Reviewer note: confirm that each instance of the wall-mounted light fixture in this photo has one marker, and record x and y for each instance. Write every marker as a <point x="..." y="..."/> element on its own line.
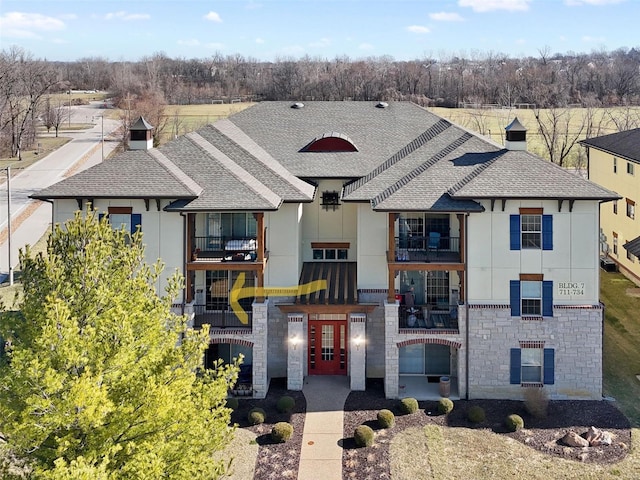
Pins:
<point x="357" y="341"/>
<point x="294" y="341"/>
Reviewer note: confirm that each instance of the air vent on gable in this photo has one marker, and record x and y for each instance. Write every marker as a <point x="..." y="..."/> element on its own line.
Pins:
<point x="297" y="105"/>
<point x="382" y="105"/>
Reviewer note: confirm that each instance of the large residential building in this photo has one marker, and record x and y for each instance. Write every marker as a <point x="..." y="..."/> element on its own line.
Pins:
<point x="372" y="240"/>
<point x="614" y="163"/>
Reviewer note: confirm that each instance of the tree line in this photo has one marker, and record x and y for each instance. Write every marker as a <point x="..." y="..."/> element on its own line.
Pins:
<point x="478" y="79"/>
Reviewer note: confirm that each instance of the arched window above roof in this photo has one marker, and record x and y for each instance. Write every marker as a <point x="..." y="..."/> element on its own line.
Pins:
<point x="331" y="142"/>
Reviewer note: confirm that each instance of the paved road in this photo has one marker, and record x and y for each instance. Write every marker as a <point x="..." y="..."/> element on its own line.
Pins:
<point x="35" y="216"/>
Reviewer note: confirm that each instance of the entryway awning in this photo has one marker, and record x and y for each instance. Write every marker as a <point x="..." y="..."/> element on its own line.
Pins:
<point x="633" y="247"/>
<point x="341" y="283"/>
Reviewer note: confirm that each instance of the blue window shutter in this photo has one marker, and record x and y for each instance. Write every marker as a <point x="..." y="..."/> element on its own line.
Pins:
<point x="136" y="219"/>
<point x="514" y="232"/>
<point x="547" y="298"/>
<point x="547" y="232"/>
<point x="549" y="366"/>
<point x="514" y="292"/>
<point x="100" y="216"/>
<point x="516" y="365"/>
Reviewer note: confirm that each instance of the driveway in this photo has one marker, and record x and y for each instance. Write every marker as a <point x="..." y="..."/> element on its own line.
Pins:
<point x="31" y="218"/>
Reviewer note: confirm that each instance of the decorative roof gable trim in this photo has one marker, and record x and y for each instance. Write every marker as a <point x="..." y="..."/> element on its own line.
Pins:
<point x="474" y="173"/>
<point x="173" y="169"/>
<point x="419" y="170"/>
<point x="236" y="170"/>
<point x="244" y="141"/>
<point x="415" y="144"/>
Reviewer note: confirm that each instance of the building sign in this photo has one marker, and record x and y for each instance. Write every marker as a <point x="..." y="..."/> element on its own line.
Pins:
<point x="571" y="289"/>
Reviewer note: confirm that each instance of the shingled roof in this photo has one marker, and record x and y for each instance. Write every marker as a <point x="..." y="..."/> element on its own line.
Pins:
<point x="407" y="159"/>
<point x="623" y="144"/>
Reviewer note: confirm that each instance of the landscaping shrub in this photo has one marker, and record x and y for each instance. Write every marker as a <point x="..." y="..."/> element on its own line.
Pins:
<point x="536" y="402"/>
<point x="476" y="414"/>
<point x="363" y="436"/>
<point x="445" y="405"/>
<point x="281" y="432"/>
<point x="409" y="405"/>
<point x="256" y="416"/>
<point x="386" y="418"/>
<point x="285" y="404"/>
<point x="232" y="403"/>
<point x="514" y="422"/>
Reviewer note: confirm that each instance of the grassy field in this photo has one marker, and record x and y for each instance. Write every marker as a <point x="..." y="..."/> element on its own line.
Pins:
<point x="183" y="119"/>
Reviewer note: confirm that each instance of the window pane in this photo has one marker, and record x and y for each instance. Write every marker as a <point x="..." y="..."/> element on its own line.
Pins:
<point x="411" y="359"/>
<point x="531" y="307"/>
<point x="531" y="223"/>
<point x="120" y="220"/>
<point x="531" y="365"/>
<point x="531" y="289"/>
<point x="531" y="374"/>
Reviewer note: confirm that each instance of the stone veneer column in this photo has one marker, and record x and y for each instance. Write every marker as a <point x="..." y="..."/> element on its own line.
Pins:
<point x="391" y="369"/>
<point x="296" y="350"/>
<point x="260" y="343"/>
<point x="358" y="351"/>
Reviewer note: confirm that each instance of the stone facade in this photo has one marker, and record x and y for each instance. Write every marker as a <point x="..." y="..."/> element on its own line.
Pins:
<point x="358" y="351"/>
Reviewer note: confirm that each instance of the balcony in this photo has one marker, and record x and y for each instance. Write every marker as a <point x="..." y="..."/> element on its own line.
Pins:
<point x="423" y="249"/>
<point x="224" y="249"/>
<point x="429" y="317"/>
<point x="224" y="318"/>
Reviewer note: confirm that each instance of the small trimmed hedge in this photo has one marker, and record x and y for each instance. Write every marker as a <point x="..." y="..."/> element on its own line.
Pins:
<point x="281" y="432"/>
<point x="256" y="416"/>
<point x="363" y="436"/>
<point x="232" y="403"/>
<point x="386" y="418"/>
<point x="408" y="405"/>
<point x="445" y="405"/>
<point x="476" y="414"/>
<point x="514" y="422"/>
<point x="285" y="404"/>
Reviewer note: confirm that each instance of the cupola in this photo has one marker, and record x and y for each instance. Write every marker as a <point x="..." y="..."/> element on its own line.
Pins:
<point x="516" y="136"/>
<point x="140" y="137"/>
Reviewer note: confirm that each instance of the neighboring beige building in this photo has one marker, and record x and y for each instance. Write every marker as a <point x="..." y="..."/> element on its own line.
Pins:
<point x="441" y="257"/>
<point x="614" y="163"/>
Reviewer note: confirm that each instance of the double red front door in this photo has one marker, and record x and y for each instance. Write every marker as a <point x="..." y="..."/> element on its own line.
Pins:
<point x="327" y="346"/>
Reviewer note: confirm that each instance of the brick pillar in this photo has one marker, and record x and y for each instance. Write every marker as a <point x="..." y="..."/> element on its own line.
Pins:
<point x="391" y="370"/>
<point x="296" y="349"/>
<point x="259" y="330"/>
<point x="358" y="351"/>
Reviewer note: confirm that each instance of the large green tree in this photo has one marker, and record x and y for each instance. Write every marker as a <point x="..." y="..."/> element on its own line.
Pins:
<point x="100" y="380"/>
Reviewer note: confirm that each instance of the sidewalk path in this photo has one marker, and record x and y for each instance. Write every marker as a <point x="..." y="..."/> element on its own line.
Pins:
<point x="321" y="454"/>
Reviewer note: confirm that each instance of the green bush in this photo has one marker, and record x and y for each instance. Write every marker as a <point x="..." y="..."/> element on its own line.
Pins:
<point x="445" y="405"/>
<point x="386" y="418"/>
<point x="232" y="403"/>
<point x="476" y="414"/>
<point x="285" y="404"/>
<point x="281" y="432"/>
<point x="256" y="416"/>
<point x="514" y="422"/>
<point x="409" y="405"/>
<point x="363" y="436"/>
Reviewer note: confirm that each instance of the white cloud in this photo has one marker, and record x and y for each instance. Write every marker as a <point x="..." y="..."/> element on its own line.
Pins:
<point x="417" y="29"/>
<point x="28" y="25"/>
<point x="446" y="17"/>
<point x="122" y="15"/>
<point x="365" y="46"/>
<point x="213" y="16"/>
<point x="190" y="42"/>
<point x="597" y="3"/>
<point x="323" y="42"/>
<point x="490" y="5"/>
<point x="259" y="41"/>
<point x="68" y="16"/>
<point x="590" y="39"/>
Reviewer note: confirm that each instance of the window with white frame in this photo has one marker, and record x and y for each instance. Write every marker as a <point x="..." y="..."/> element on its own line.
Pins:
<point x="630" y="168"/>
<point x="631" y="209"/>
<point x="531" y="362"/>
<point x="531" y="227"/>
<point x="531" y="298"/>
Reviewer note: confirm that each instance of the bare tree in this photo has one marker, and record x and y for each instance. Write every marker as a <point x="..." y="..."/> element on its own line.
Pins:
<point x="560" y="129"/>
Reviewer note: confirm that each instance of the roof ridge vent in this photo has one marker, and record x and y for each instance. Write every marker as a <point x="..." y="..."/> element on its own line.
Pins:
<point x="297" y="105"/>
<point x="382" y="105"/>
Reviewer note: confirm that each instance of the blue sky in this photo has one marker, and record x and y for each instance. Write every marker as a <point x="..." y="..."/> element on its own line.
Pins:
<point x="277" y="29"/>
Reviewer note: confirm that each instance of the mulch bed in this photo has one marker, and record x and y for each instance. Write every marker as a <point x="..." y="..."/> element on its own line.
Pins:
<point x="275" y="460"/>
<point x="541" y="434"/>
<point x="281" y="460"/>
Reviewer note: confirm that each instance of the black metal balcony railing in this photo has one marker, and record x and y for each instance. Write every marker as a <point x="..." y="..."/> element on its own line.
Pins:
<point x="426" y="249"/>
<point x="428" y="316"/>
<point x="223" y="318"/>
<point x="237" y="249"/>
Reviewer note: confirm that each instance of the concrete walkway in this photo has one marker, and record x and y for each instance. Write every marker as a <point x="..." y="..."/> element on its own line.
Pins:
<point x="321" y="454"/>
